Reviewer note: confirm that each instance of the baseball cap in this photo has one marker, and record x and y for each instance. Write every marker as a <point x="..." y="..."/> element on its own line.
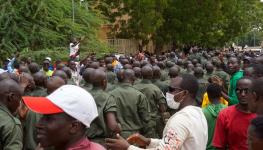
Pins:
<point x="71" y="99"/>
<point x="48" y="58"/>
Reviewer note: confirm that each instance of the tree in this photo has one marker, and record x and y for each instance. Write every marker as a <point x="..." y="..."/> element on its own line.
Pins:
<point x="38" y="24"/>
<point x="207" y="23"/>
<point x="134" y="19"/>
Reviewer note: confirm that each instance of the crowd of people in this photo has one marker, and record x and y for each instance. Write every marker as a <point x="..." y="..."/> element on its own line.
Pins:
<point x="205" y="100"/>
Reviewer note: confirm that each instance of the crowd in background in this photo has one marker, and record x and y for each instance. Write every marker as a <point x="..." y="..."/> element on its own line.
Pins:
<point x="196" y="101"/>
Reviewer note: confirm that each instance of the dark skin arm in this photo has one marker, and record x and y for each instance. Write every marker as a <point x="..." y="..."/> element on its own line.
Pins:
<point x="162" y="108"/>
<point x="121" y="144"/>
<point x="225" y="96"/>
<point x="112" y="123"/>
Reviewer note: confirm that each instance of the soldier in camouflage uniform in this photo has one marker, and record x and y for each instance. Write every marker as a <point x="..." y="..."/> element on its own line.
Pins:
<point x="11" y="135"/>
<point x="87" y="78"/>
<point x="155" y="97"/>
<point x="199" y="74"/>
<point x="105" y="125"/>
<point x="133" y="111"/>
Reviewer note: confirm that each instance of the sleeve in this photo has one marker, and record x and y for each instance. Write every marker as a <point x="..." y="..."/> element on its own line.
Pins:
<point x="154" y="143"/>
<point x="10" y="65"/>
<point x="219" y="139"/>
<point x="176" y="133"/>
<point x="111" y="105"/>
<point x="144" y="113"/>
<point x="160" y="97"/>
<point x="12" y="136"/>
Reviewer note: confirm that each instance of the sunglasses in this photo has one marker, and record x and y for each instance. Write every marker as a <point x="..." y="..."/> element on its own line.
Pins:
<point x="246" y="91"/>
<point x="173" y="89"/>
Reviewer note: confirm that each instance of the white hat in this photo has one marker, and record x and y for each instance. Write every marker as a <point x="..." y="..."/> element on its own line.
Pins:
<point x="71" y="99"/>
<point x="48" y="58"/>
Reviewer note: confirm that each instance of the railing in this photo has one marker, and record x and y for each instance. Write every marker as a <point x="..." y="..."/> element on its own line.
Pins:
<point x="127" y="46"/>
<point x="123" y="45"/>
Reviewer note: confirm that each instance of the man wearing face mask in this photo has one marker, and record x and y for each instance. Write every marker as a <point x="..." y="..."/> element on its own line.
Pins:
<point x="185" y="130"/>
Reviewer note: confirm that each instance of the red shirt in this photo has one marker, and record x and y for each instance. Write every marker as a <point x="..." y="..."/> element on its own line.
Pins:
<point x="231" y="129"/>
<point x="85" y="144"/>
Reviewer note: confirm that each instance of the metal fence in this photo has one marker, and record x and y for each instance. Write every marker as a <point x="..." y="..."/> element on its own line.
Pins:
<point x="123" y="45"/>
<point x="127" y="46"/>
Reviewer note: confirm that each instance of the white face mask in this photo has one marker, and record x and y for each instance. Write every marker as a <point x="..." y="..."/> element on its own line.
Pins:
<point x="171" y="102"/>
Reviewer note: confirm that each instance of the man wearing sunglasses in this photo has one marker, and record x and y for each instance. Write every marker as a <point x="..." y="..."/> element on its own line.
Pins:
<point x="232" y="122"/>
<point x="185" y="130"/>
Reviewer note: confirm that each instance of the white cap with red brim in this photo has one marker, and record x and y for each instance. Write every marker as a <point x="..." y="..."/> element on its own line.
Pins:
<point x="73" y="100"/>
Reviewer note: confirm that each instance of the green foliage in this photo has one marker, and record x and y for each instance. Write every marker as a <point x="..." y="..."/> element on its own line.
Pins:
<point x="40" y="25"/>
<point x="207" y="23"/>
<point x="144" y="18"/>
<point x="38" y="56"/>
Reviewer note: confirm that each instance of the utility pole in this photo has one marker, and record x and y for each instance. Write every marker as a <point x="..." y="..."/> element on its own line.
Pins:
<point x="73" y="11"/>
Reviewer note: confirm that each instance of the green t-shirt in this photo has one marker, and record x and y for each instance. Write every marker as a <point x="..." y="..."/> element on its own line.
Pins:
<point x="232" y="87"/>
<point x="211" y="112"/>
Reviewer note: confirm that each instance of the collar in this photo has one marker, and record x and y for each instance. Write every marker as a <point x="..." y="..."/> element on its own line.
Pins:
<point x="238" y="72"/>
<point x="146" y="81"/>
<point x="97" y="88"/>
<point x="125" y="84"/>
<point x="3" y="107"/>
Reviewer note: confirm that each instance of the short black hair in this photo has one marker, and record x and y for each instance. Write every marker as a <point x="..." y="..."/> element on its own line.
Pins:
<point x="258" y="69"/>
<point x="214" y="91"/>
<point x="189" y="83"/>
<point x="238" y="60"/>
<point x="257" y="125"/>
<point x="257" y="86"/>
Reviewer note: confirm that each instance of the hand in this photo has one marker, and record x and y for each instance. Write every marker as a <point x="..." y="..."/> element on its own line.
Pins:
<point x="22" y="110"/>
<point x="221" y="57"/>
<point x="117" y="144"/>
<point x="139" y="140"/>
<point x="23" y="81"/>
<point x="217" y="80"/>
<point x="165" y="116"/>
<point x="39" y="147"/>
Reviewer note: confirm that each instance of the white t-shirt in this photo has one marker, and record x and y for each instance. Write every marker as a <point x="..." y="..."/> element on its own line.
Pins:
<point x="73" y="49"/>
<point x="185" y="130"/>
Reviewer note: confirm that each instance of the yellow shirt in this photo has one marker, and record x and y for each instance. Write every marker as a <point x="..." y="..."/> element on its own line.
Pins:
<point x="206" y="101"/>
<point x="49" y="73"/>
<point x="114" y="63"/>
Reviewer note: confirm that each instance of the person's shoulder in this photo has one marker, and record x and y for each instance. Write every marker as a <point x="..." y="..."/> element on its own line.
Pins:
<point x="192" y="108"/>
<point x="189" y="110"/>
<point x="184" y="116"/>
<point x="9" y="120"/>
<point x="227" y="110"/>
